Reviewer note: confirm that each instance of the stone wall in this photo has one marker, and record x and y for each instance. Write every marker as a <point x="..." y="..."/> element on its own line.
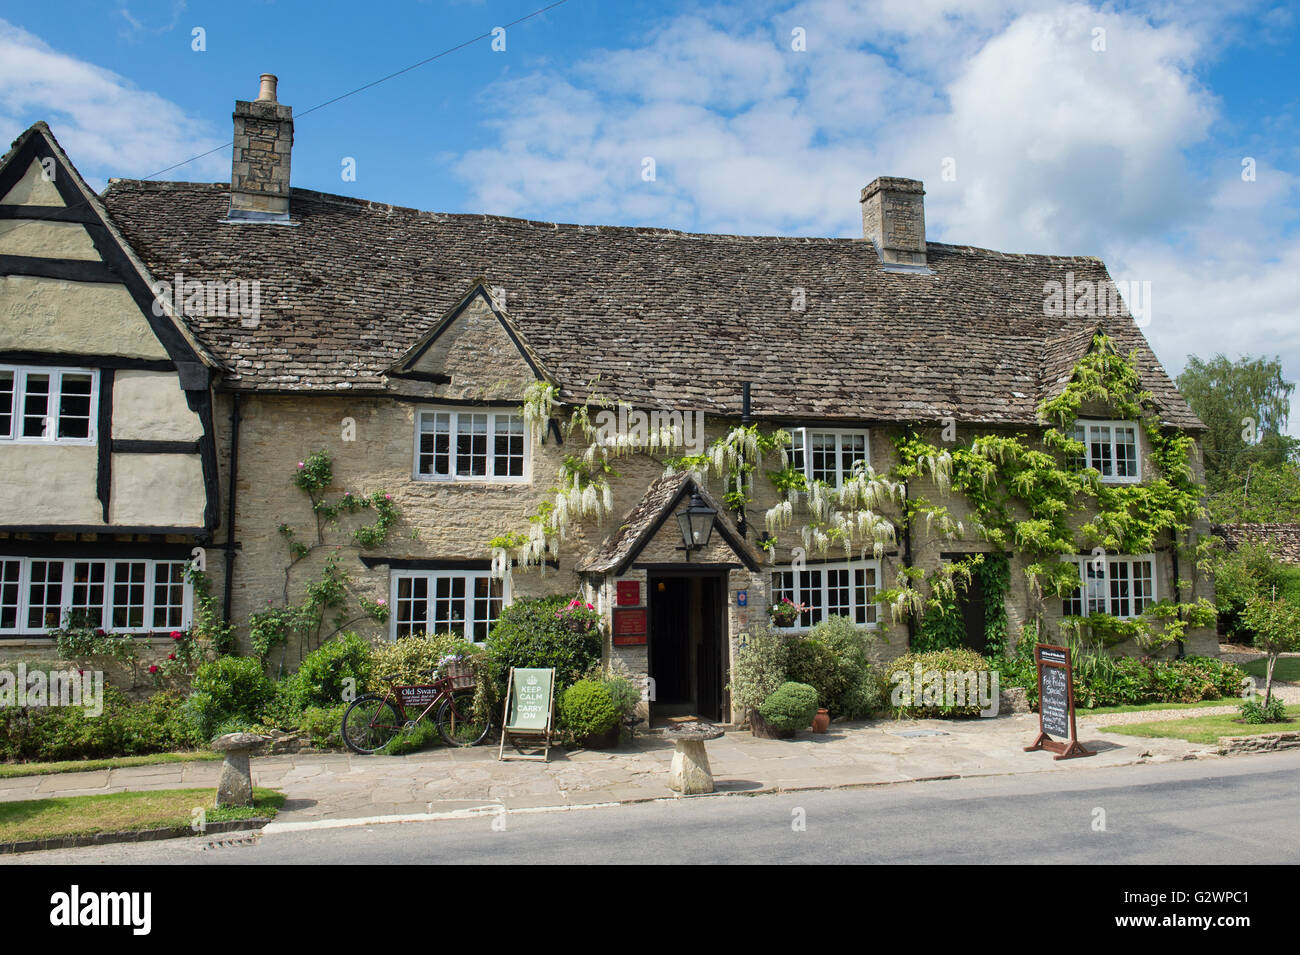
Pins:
<point x="454" y="521"/>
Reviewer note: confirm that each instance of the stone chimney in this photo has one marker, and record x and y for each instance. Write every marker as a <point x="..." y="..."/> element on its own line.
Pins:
<point x="259" y="171"/>
<point x="893" y="218"/>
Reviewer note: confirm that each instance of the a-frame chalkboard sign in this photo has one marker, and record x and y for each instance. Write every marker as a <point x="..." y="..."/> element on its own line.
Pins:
<point x="1056" y="704"/>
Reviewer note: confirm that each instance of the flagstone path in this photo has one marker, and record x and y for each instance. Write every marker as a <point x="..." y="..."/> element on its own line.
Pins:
<point x="341" y="786"/>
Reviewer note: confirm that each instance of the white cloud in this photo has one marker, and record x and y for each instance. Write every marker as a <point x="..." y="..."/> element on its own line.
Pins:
<point x="1058" y="147"/>
<point x="107" y="125"/>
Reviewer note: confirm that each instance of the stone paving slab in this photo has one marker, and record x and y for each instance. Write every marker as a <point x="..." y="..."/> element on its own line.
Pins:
<point x="339" y="786"/>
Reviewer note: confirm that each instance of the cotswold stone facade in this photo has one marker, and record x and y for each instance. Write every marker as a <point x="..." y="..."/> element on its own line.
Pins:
<point x="402" y="344"/>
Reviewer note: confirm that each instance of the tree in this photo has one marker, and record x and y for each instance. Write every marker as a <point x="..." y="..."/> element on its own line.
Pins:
<point x="1276" y="622"/>
<point x="1262" y="495"/>
<point x="1248" y="572"/>
<point x="1245" y="405"/>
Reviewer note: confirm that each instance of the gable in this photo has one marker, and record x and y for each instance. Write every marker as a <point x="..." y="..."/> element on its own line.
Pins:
<point x="74" y="296"/>
<point x="649" y="533"/>
<point x="34" y="188"/>
<point x="70" y="285"/>
<point x="473" y="353"/>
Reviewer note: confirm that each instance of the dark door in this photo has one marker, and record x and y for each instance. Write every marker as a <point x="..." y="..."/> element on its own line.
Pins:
<point x="972" y="615"/>
<point x="670" y="641"/>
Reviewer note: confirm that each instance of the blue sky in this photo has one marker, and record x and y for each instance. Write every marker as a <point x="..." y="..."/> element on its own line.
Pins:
<point x="1117" y="130"/>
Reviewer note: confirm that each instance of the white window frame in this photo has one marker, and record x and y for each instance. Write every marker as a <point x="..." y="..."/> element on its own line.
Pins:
<point x="800" y="449"/>
<point x="455" y="414"/>
<point x="1088" y="426"/>
<point x="106" y="604"/>
<point x="1099" y="579"/>
<point x="818" y="612"/>
<point x="470" y="577"/>
<point x="20" y="374"/>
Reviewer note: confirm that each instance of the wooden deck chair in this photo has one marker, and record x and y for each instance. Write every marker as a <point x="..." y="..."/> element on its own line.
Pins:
<point x="529" y="712"/>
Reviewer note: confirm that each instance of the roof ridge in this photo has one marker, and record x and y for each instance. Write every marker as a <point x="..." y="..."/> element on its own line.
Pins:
<point x="389" y="208"/>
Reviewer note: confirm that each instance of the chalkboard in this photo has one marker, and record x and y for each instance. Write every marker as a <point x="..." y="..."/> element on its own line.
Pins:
<point x="1054" y="704"/>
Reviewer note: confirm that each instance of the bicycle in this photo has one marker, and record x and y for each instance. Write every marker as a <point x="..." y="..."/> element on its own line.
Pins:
<point x="372" y="720"/>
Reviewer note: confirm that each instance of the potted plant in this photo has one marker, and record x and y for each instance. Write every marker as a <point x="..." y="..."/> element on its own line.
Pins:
<point x="789" y="708"/>
<point x="785" y="612"/>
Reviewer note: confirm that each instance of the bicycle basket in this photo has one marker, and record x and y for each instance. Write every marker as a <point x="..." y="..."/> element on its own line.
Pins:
<point x="461" y="675"/>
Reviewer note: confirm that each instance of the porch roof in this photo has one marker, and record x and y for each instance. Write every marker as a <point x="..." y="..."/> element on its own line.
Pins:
<point x="615" y="554"/>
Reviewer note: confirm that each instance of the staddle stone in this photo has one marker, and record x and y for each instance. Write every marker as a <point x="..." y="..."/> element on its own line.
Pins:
<point x="235" y="787"/>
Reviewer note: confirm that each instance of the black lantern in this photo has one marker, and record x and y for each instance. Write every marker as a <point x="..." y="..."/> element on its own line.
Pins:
<point x="696" y="523"/>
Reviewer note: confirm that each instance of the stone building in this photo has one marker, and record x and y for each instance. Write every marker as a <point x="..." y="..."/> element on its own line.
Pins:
<point x="227" y="331"/>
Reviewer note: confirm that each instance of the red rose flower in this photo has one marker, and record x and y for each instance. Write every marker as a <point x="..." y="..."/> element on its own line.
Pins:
<point x="153" y="669"/>
<point x="176" y="635"/>
<point x="171" y="656"/>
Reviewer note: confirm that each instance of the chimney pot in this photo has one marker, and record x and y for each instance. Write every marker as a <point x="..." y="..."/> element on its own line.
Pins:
<point x="266" y="94"/>
<point x="893" y="218"/>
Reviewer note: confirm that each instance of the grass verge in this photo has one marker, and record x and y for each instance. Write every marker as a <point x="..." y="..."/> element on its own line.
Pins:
<point x="1144" y="707"/>
<point x="1206" y="729"/>
<point x="120" y="812"/>
<point x="10" y="770"/>
<point x="1287" y="669"/>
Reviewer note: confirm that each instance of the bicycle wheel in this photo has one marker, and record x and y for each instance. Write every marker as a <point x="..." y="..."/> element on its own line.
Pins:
<point x="369" y="723"/>
<point x="457" y="724"/>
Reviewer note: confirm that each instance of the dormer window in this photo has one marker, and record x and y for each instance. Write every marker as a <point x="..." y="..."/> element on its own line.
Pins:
<point x="1111" y="447"/>
<point x="45" y="405"/>
<point x="465" y="445"/>
<point x="828" y="454"/>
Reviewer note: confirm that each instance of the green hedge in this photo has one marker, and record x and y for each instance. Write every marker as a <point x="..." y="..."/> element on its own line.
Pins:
<point x="900" y="674"/>
<point x="159" y="724"/>
<point x="1103" y="680"/>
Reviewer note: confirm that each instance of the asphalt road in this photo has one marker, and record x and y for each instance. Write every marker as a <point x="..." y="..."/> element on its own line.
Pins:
<point x="1240" y="810"/>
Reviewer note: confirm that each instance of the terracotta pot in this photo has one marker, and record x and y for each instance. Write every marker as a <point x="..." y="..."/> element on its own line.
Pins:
<point x="822" y="721"/>
<point x="762" y="729"/>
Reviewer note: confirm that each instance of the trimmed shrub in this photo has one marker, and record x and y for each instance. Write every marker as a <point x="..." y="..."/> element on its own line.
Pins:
<point x="832" y="658"/>
<point x="230" y="688"/>
<point x="791" y="706"/>
<point x="322" y="677"/>
<point x="930" y="699"/>
<point x="759" y="668"/>
<point x="586" y="709"/>
<point x="546" y="632"/>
